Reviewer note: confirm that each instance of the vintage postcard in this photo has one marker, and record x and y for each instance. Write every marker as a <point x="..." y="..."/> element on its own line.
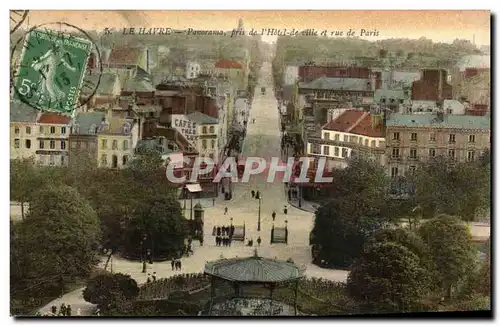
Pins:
<point x="250" y="163"/>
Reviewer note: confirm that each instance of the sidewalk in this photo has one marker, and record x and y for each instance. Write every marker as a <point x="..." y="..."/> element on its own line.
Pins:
<point x="306" y="206"/>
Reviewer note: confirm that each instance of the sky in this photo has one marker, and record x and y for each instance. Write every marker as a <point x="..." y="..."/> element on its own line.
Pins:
<point x="440" y="26"/>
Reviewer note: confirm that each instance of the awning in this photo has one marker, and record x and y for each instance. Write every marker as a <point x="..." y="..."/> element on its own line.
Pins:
<point x="194" y="187"/>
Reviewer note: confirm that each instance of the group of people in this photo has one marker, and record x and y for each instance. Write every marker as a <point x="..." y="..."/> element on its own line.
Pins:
<point x="151" y="277"/>
<point x="176" y="264"/>
<point x="181" y="282"/>
<point x="223" y="235"/>
<point x="64" y="310"/>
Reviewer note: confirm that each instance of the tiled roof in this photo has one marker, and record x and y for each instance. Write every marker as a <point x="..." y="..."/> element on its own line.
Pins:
<point x="125" y="56"/>
<point x="338" y="83"/>
<point x="21" y="112"/>
<point x="138" y="85"/>
<point x="254" y="269"/>
<point x="228" y="64"/>
<point x="355" y="122"/>
<point x="431" y="121"/>
<point x="84" y="121"/>
<point x="202" y="119"/>
<point x="106" y="83"/>
<point x="54" y="118"/>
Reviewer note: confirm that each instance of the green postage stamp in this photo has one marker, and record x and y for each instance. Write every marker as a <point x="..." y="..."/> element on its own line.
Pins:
<point x="51" y="70"/>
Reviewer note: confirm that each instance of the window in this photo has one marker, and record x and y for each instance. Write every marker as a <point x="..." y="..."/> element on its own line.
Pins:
<point x="115" y="144"/>
<point x="104" y="143"/>
<point x="472" y="138"/>
<point x="394" y="171"/>
<point x="213" y="143"/>
<point x="104" y="159"/>
<point x="345" y="138"/>
<point x="366" y="142"/>
<point x="413" y="136"/>
<point x="432" y="152"/>
<point x="373" y="143"/>
<point x="337" y="137"/>
<point x="204" y="130"/>
<point x="124" y="159"/>
<point x="52" y="130"/>
<point x="212" y="129"/>
<point x="327" y="135"/>
<point x="52" y="144"/>
<point x="413" y="153"/>
<point x="63" y="130"/>
<point x="27" y="143"/>
<point x="63" y="144"/>
<point x="16" y="130"/>
<point x="451" y="153"/>
<point x="28" y="130"/>
<point x="432" y="136"/>
<point x="344" y="152"/>
<point x="41" y="129"/>
<point x="353" y="139"/>
<point x="326" y="150"/>
<point x="395" y="152"/>
<point x="16" y="143"/>
<point x="470" y="156"/>
<point x="336" y="151"/>
<point x="52" y="161"/>
<point x="360" y="141"/>
<point x="452" y="138"/>
<point x="41" y="144"/>
<point x="125" y="145"/>
<point x="114" y="161"/>
<point x="395" y="136"/>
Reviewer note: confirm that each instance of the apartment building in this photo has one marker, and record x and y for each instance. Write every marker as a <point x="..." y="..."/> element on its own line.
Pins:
<point x="116" y="141"/>
<point x="411" y="139"/>
<point x="207" y="135"/>
<point x="23" y="130"/>
<point x="52" y="139"/>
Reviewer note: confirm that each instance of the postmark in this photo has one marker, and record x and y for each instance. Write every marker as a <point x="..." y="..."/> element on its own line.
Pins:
<point x="17" y="17"/>
<point x="51" y="74"/>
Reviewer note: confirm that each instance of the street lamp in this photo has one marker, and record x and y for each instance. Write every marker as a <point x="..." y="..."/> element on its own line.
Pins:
<point x="258" y="221"/>
<point x="143" y="258"/>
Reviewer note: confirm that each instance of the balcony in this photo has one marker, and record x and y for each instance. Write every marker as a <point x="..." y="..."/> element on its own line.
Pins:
<point x="413" y="158"/>
<point x="395" y="158"/>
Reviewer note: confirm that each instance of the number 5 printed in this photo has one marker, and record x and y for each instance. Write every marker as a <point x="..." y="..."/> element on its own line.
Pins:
<point x="26" y="88"/>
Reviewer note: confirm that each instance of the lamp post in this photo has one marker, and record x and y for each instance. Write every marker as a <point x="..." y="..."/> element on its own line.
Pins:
<point x="143" y="242"/>
<point x="258" y="221"/>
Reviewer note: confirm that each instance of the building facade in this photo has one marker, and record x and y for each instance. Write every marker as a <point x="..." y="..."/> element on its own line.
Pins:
<point x="83" y="139"/>
<point x="52" y="139"/>
<point x="411" y="139"/>
<point x="117" y="139"/>
<point x="23" y="131"/>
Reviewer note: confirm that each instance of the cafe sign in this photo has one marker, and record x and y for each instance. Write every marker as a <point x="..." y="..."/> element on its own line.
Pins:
<point x="186" y="127"/>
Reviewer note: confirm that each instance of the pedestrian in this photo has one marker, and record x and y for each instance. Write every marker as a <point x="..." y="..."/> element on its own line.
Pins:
<point x="259" y="240"/>
<point x="149" y="278"/>
<point x="285" y="210"/>
<point x="62" y="310"/>
<point x="253" y="193"/>
<point x="53" y="309"/>
<point x="232" y="230"/>
<point x="223" y="190"/>
<point x="154" y="276"/>
<point x="218" y="230"/>
<point x="173" y="263"/>
<point x="274" y="215"/>
<point x="257" y="195"/>
<point x="214" y="231"/>
<point x="68" y="310"/>
<point x="253" y="120"/>
<point x="180" y="265"/>
<point x="79" y="312"/>
<point x="225" y="210"/>
<point x="201" y="241"/>
<point x="229" y="241"/>
<point x="217" y="240"/>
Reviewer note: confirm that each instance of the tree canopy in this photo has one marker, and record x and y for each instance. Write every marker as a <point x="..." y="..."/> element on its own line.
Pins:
<point x="106" y="289"/>
<point x="387" y="277"/>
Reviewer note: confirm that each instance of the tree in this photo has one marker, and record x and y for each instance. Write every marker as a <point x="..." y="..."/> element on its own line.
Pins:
<point x="156" y="224"/>
<point x="446" y="187"/>
<point x="387" y="277"/>
<point x="451" y="249"/>
<point x="56" y="243"/>
<point x="22" y="181"/>
<point x="106" y="289"/>
<point x="358" y="207"/>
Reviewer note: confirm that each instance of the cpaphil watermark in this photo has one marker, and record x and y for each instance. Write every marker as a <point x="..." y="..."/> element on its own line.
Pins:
<point x="294" y="170"/>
